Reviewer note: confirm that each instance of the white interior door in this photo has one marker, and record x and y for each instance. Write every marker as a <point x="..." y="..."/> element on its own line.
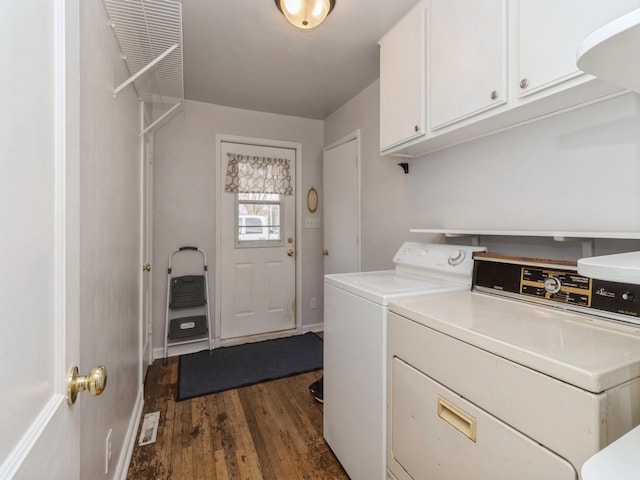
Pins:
<point x="341" y="205"/>
<point x="257" y="252"/>
<point x="39" y="212"/>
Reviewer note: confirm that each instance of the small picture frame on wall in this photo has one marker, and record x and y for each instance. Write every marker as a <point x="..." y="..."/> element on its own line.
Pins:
<point x="312" y="200"/>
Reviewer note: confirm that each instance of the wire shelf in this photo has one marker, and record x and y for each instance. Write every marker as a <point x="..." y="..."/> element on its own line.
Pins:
<point x="149" y="35"/>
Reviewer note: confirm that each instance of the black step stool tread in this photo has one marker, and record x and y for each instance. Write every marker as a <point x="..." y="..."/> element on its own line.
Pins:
<point x="187" y="327"/>
<point x="187" y="291"/>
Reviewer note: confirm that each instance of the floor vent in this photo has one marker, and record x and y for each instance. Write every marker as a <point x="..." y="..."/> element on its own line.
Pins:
<point x="149" y="428"/>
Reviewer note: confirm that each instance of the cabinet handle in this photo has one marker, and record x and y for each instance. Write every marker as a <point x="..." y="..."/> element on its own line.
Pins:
<point x="524" y="83"/>
<point x="494" y="95"/>
<point x="416" y="128"/>
<point x="457" y="418"/>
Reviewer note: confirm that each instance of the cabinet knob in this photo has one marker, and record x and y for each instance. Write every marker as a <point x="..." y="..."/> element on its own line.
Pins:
<point x="524" y="83"/>
<point x="416" y="128"/>
<point x="494" y="95"/>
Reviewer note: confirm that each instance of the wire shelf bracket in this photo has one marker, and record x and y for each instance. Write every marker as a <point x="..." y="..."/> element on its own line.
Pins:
<point x="149" y="36"/>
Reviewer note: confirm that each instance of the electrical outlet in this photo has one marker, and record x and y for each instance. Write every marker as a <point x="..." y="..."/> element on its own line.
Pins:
<point x="313" y="302"/>
<point x="107" y="451"/>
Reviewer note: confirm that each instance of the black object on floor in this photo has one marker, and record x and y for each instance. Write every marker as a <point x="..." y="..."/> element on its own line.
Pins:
<point x="317" y="390"/>
<point x="224" y="368"/>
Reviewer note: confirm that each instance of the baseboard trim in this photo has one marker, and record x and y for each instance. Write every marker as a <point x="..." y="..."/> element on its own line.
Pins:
<point x="130" y="440"/>
<point x="315" y="327"/>
<point x="197" y="347"/>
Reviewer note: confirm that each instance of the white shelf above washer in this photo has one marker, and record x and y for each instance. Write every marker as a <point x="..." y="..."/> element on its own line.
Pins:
<point x="556" y="235"/>
<point x="584" y="237"/>
<point x="149" y="35"/>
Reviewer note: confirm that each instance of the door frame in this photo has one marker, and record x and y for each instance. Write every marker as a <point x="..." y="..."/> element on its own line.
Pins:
<point x="262" y="142"/>
<point x="146" y="247"/>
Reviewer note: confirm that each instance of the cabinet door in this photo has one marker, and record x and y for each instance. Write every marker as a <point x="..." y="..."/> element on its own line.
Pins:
<point x="549" y="32"/>
<point x="467" y="57"/>
<point x="402" y="80"/>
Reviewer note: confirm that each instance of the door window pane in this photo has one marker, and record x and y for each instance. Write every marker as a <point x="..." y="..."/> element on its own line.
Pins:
<point x="259" y="219"/>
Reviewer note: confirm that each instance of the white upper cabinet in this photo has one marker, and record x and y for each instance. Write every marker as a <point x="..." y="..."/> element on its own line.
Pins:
<point x="549" y="33"/>
<point x="402" y="80"/>
<point x="454" y="70"/>
<point x="467" y="59"/>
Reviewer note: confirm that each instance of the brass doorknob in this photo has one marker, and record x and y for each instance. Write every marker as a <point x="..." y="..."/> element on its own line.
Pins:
<point x="146" y="267"/>
<point x="95" y="382"/>
<point x="290" y="252"/>
<point x="325" y="252"/>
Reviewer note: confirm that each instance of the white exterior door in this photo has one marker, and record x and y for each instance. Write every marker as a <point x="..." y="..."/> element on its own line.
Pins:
<point x="39" y="212"/>
<point x="341" y="205"/>
<point x="257" y="251"/>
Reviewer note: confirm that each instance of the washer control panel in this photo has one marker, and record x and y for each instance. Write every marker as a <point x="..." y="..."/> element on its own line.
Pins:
<point x="554" y="282"/>
<point x="456" y="257"/>
<point x="433" y="259"/>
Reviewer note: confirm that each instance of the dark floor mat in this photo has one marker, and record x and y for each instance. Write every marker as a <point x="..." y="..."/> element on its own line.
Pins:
<point x="224" y="368"/>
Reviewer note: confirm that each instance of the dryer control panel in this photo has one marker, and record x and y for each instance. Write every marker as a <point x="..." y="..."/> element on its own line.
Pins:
<point x="556" y="283"/>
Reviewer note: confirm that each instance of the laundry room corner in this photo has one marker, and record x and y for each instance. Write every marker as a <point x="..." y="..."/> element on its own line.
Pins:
<point x="185" y="193"/>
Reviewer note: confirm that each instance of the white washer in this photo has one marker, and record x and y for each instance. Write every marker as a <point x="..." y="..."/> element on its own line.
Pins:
<point x="526" y="376"/>
<point x="355" y="345"/>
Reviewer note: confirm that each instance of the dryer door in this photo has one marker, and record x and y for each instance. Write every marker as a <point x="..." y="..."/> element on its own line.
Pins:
<point x="435" y="433"/>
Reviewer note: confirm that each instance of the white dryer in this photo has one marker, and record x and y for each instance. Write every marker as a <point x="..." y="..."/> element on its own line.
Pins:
<point x="355" y="346"/>
<point x="525" y="376"/>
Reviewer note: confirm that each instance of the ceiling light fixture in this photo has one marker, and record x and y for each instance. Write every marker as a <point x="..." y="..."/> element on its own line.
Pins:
<point x="305" y="13"/>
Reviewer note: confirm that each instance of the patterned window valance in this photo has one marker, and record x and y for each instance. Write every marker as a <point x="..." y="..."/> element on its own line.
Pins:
<point x="247" y="174"/>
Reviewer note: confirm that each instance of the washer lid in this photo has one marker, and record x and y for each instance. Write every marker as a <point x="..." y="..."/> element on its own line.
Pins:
<point x="382" y="286"/>
<point x="584" y="351"/>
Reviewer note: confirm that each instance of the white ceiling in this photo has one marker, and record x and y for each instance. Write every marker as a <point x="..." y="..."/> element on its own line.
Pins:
<point x="244" y="54"/>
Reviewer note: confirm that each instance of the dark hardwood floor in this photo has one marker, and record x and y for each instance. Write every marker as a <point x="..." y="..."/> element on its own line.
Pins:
<point x="270" y="431"/>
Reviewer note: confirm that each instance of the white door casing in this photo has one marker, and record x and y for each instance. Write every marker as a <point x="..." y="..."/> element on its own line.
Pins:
<point x="39" y="294"/>
<point x="146" y="236"/>
<point x="255" y="286"/>
<point x="341" y="205"/>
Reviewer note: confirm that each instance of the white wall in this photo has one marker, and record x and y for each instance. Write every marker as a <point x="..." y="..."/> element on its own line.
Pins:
<point x="110" y="242"/>
<point x="578" y="171"/>
<point x="184" y="191"/>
